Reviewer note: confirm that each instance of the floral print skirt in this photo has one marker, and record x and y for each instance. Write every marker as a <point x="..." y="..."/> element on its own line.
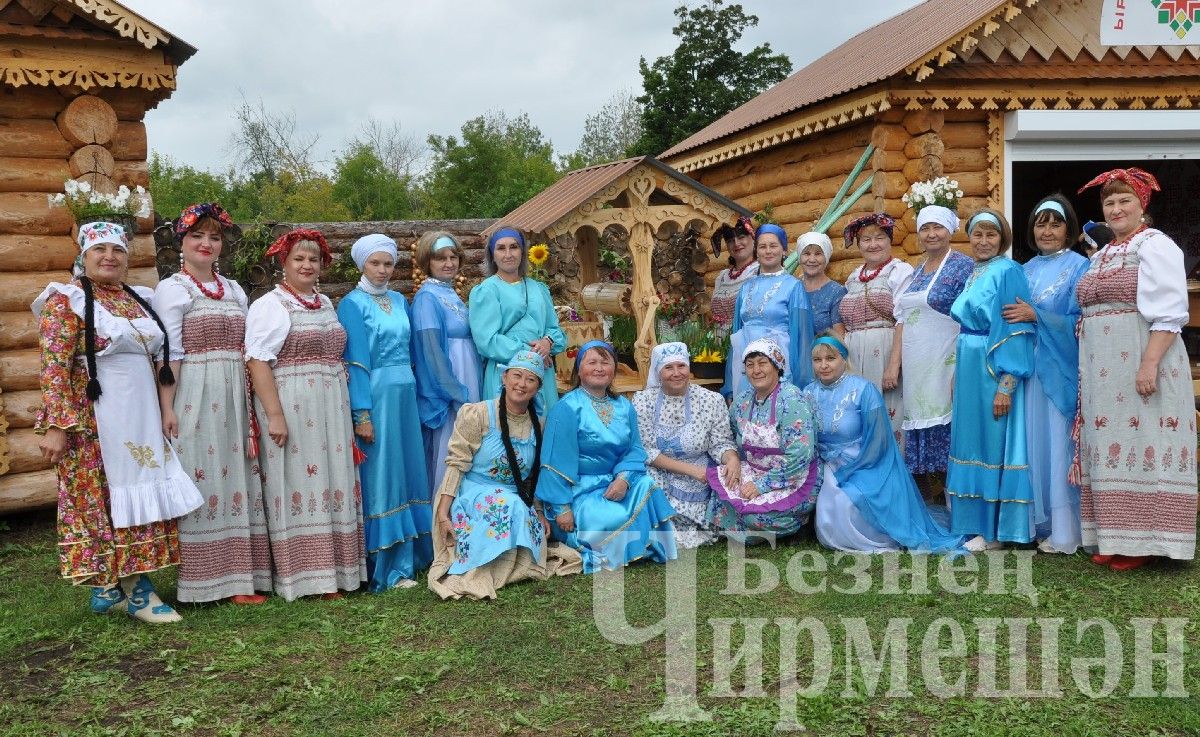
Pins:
<point x="489" y="520"/>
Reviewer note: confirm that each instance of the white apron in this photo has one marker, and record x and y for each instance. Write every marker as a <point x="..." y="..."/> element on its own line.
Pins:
<point x="927" y="356"/>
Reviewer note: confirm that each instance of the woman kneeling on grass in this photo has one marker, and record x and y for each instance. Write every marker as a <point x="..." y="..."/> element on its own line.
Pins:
<point x="491" y="530"/>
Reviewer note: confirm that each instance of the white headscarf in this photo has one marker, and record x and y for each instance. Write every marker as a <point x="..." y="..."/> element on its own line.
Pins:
<point x="768" y="348"/>
<point x="663" y="355"/>
<point x="813" y="238"/>
<point x="943" y="216"/>
<point x="373" y="243"/>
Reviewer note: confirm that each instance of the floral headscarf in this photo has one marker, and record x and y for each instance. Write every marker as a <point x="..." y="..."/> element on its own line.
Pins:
<point x="192" y="214"/>
<point x="1140" y="181"/>
<point x="284" y="244"/>
<point x="883" y="221"/>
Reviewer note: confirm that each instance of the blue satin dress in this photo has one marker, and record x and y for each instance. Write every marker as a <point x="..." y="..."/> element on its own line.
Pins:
<point x="397" y="515"/>
<point x="588" y="442"/>
<point x="868" y="502"/>
<point x="771" y="306"/>
<point x="987" y="477"/>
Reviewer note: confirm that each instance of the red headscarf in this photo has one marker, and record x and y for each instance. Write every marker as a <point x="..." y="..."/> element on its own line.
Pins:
<point x="283" y="244"/>
<point x="1140" y="181"/>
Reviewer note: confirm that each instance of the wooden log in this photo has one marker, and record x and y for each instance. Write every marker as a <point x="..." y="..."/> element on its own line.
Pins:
<point x="926" y="144"/>
<point x="855" y="137"/>
<point x="965" y="135"/>
<point x="19" y="369"/>
<point x="38" y="139"/>
<point x="21" y="408"/>
<point x="889" y="184"/>
<point x="30" y="214"/>
<point x="129" y="143"/>
<point x="133" y="174"/>
<point x="144" y="277"/>
<point x="890" y="137"/>
<point x="32" y="175"/>
<point x="609" y="298"/>
<point x="18" y="289"/>
<point x="18" y="330"/>
<point x="20" y="492"/>
<point x="100" y="183"/>
<point x="923" y="169"/>
<point x="924" y="120"/>
<point x="37" y="252"/>
<point x="23" y="452"/>
<point x="972" y="183"/>
<point x="31" y="101"/>
<point x="825" y="166"/>
<point x="87" y="119"/>
<point x="883" y="160"/>
<point x="955" y="160"/>
<point x="92" y="159"/>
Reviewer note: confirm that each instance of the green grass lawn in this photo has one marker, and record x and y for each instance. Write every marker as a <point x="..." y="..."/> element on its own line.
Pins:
<point x="405" y="663"/>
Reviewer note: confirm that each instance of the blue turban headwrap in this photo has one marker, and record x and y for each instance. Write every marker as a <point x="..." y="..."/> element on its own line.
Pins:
<point x="590" y="345"/>
<point x="774" y="230"/>
<point x="505" y="233"/>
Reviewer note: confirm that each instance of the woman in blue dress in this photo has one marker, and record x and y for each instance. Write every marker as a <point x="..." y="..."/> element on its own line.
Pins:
<point x="1053" y="388"/>
<point x="397" y="520"/>
<point x="510" y="312"/>
<point x="491" y="529"/>
<point x="824" y="294"/>
<point x="444" y="357"/>
<point x="772" y="304"/>
<point x="599" y="498"/>
<point x="774" y="424"/>
<point x="868" y="502"/>
<point x="987" y="482"/>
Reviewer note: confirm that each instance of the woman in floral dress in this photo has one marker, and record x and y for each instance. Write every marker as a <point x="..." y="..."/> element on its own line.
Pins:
<point x="223" y="545"/>
<point x="294" y="347"/>
<point x="491" y="529"/>
<point x="120" y="485"/>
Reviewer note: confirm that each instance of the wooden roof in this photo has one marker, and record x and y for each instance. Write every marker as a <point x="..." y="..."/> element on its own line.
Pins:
<point x="58" y="41"/>
<point x="561" y="198"/>
<point x="913" y="46"/>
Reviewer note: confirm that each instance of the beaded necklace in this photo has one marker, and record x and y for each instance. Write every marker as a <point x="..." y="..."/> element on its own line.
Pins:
<point x="217" y="295"/>
<point x="1114" y="250"/>
<point x="864" y="277"/>
<point x="315" y="304"/>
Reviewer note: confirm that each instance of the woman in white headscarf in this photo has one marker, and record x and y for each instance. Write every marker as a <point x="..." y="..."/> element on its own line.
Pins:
<point x="383" y="398"/>
<point x="685" y="429"/>
<point x="824" y="294"/>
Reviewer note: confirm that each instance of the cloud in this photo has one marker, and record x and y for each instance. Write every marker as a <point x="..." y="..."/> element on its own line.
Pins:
<point x="434" y="65"/>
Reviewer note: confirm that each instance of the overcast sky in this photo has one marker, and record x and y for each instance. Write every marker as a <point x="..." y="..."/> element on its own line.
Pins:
<point x="432" y="65"/>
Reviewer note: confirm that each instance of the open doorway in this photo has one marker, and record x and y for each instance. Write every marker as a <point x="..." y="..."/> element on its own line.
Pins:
<point x="1174" y="210"/>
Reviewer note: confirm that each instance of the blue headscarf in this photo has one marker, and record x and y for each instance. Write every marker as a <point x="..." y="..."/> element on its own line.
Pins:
<point x="590" y="345"/>
<point x="833" y="343"/>
<point x="505" y="233"/>
<point x="774" y="230"/>
<point x="525" y="359"/>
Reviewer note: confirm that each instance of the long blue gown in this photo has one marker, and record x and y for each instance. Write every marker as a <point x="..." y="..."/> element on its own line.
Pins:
<point x="504" y="318"/>
<point x="868" y="501"/>
<point x="771" y="306"/>
<point x="826" y="303"/>
<point x="988" y="471"/>
<point x="397" y="516"/>
<point x="1050" y="398"/>
<point x="446" y="365"/>
<point x="588" y="442"/>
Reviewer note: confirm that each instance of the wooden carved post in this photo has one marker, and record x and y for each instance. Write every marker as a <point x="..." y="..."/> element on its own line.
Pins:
<point x="641" y="248"/>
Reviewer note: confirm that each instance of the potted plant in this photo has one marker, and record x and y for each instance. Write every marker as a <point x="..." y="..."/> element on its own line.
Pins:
<point x="674" y="312"/>
<point x="622" y="333"/>
<point x="706" y="350"/>
<point x="87" y="205"/>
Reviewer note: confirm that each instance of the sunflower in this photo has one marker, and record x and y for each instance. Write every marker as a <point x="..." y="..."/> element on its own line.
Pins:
<point x="538" y="254"/>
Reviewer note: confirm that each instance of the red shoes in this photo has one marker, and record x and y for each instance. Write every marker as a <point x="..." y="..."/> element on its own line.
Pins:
<point x="1102" y="560"/>
<point x="1128" y="562"/>
<point x="248" y="599"/>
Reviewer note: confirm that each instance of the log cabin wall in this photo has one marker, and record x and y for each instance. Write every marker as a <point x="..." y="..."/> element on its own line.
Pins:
<point x="76" y="80"/>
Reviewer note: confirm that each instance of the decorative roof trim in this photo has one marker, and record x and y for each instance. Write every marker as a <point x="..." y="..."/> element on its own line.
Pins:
<point x="61" y="73"/>
<point x="845" y="111"/>
<point x="1124" y="97"/>
<point x="124" y="21"/>
<point x="965" y="41"/>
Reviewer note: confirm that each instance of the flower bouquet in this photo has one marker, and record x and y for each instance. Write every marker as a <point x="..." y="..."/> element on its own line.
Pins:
<point x="941" y="191"/>
<point x="673" y="312"/>
<point x="707" y="352"/>
<point x="88" y="205"/>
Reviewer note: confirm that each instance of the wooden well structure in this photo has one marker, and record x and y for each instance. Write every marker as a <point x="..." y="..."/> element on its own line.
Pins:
<point x="647" y="203"/>
<point x="1013" y="98"/>
<point x="76" y="80"/>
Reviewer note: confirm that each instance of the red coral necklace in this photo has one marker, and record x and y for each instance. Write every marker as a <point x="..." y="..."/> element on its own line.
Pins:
<point x="864" y="277"/>
<point x="218" y="294"/>
<point x="315" y="304"/>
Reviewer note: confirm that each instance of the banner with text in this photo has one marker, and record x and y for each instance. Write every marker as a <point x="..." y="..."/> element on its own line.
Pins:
<point x="1150" y="22"/>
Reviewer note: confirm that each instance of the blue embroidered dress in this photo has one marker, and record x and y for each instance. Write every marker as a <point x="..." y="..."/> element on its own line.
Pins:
<point x="397" y="519"/>
<point x="588" y="442"/>
<point x="927" y="359"/>
<point x="826" y="305"/>
<point x="868" y="501"/>
<point x="504" y="318"/>
<point x="771" y="306"/>
<point x="1050" y="397"/>
<point x="446" y="365"/>
<point x="988" y="474"/>
<point x="777" y="437"/>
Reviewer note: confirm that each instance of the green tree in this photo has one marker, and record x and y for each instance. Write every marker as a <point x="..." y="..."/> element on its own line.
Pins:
<point x="174" y="186"/>
<point x="287" y="199"/>
<point x="367" y="188"/>
<point x="608" y="133"/>
<point x="706" y="77"/>
<point x="500" y="163"/>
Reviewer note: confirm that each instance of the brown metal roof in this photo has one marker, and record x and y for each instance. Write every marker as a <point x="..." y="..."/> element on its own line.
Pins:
<point x="559" y="199"/>
<point x="875" y="54"/>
